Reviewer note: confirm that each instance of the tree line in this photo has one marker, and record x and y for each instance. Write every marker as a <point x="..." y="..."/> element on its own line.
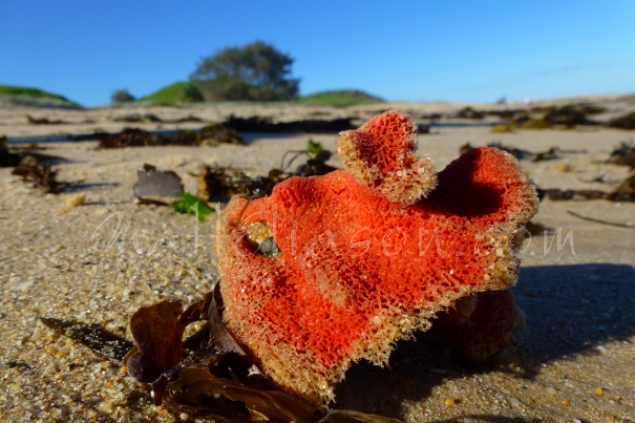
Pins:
<point x="254" y="72"/>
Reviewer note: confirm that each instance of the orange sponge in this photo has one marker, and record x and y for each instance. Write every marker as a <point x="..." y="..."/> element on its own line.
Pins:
<point x="360" y="262"/>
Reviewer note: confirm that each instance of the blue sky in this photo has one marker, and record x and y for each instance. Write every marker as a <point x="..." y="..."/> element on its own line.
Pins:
<point x="473" y="51"/>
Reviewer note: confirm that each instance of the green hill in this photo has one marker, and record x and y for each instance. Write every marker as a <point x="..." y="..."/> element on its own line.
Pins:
<point x="25" y="96"/>
<point x="179" y="92"/>
<point x="340" y="98"/>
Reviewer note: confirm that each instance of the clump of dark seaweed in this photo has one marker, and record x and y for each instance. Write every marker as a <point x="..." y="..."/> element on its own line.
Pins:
<point x="219" y="182"/>
<point x="41" y="175"/>
<point x="210" y="135"/>
<point x="569" y="116"/>
<point x="625" y="192"/>
<point x="623" y="155"/>
<point x="470" y="113"/>
<point x="215" y="134"/>
<point x="7" y="157"/>
<point x="43" y="121"/>
<point x="260" y="124"/>
<point x="519" y="153"/>
<point x="623" y="122"/>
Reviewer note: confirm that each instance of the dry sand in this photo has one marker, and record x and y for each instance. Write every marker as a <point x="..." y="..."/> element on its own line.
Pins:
<point x="574" y="360"/>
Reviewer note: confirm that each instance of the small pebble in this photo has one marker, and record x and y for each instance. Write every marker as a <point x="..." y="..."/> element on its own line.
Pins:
<point x="552" y="391"/>
<point x="566" y="402"/>
<point x="74" y="200"/>
<point x="449" y="402"/>
<point x="599" y="392"/>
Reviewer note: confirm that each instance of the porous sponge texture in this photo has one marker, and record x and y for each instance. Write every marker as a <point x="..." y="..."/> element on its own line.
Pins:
<point x="358" y="271"/>
<point x="381" y="155"/>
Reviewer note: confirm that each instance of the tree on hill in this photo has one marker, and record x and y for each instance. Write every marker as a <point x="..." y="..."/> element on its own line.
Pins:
<point x="121" y="96"/>
<point x="255" y="72"/>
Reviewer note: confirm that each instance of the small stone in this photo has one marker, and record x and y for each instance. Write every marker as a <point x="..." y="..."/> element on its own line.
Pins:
<point x="514" y="401"/>
<point x="599" y="392"/>
<point x="74" y="200"/>
<point x="566" y="402"/>
<point x="449" y="402"/>
<point x="552" y="391"/>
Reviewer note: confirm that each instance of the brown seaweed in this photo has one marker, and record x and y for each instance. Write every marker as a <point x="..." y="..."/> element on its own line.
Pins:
<point x="7" y="157"/>
<point x="215" y="134"/>
<point x="626" y="121"/>
<point x="210" y="135"/>
<point x="623" y="155"/>
<point x="215" y="379"/>
<point x="41" y="175"/>
<point x="219" y="182"/>
<point x="624" y="192"/>
<point x="264" y="125"/>
<point x="44" y="121"/>
<point x="138" y="118"/>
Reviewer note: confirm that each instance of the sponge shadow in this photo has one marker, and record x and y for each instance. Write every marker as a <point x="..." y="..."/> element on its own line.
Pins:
<point x="571" y="310"/>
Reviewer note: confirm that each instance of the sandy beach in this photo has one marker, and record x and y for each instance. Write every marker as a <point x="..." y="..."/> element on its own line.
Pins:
<point x="100" y="262"/>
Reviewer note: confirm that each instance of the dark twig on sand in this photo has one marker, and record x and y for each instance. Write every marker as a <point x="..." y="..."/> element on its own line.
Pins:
<point x="603" y="222"/>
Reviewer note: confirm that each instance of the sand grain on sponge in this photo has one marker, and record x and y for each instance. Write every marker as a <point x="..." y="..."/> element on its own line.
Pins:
<point x="580" y="321"/>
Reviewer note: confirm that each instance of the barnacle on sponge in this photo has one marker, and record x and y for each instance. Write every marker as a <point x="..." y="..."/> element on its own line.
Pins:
<point x="369" y="254"/>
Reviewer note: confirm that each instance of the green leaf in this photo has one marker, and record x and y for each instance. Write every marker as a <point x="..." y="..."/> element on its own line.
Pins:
<point x="313" y="147"/>
<point x="191" y="205"/>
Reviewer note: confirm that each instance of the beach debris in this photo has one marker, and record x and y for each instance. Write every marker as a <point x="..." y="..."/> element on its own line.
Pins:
<point x="209" y="375"/>
<point x="74" y="200"/>
<point x="211" y="135"/>
<point x="129" y="137"/>
<point x="625" y="192"/>
<point x="138" y="118"/>
<point x="44" y="121"/>
<point x="336" y="293"/>
<point x="536" y="124"/>
<point x="185" y="119"/>
<point x="626" y="121"/>
<point x="315" y="165"/>
<point x="501" y="128"/>
<point x="623" y="155"/>
<point x="189" y="204"/>
<point x="95" y="337"/>
<point x="519" y="153"/>
<point x="41" y="175"/>
<point x="601" y="221"/>
<point x="260" y="124"/>
<point x="7" y="157"/>
<point x="569" y="116"/>
<point x="563" y="167"/>
<point x="470" y="113"/>
<point x="216" y="134"/>
<point x="465" y="148"/>
<point x="557" y="194"/>
<point x="157" y="185"/>
<point x="219" y="182"/>
<point x="536" y="228"/>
